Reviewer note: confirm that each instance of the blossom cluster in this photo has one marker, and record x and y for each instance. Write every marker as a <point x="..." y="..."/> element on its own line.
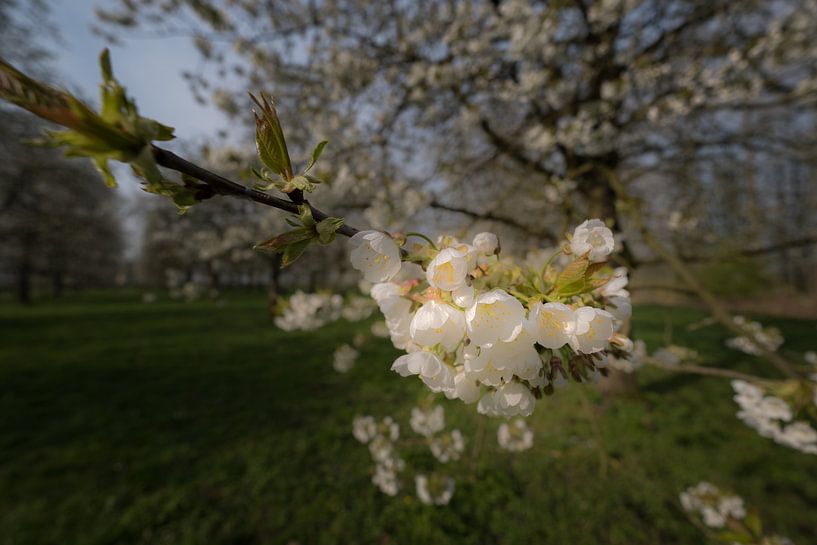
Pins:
<point x="726" y="515"/>
<point x="433" y="488"/>
<point x="514" y="436"/>
<point x="714" y="507"/>
<point x="309" y="311"/>
<point x="489" y="331"/>
<point x="773" y="417"/>
<point x="756" y="337"/>
<point x="428" y="422"/>
<point x="381" y="437"/>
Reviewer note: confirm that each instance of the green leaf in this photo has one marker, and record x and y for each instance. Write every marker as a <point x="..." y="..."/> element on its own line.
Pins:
<point x="316" y="154"/>
<point x="305" y="214"/>
<point x="572" y="278"/>
<point x="293" y="252"/>
<point x="103" y="168"/>
<point x="269" y="138"/>
<point x="279" y="242"/>
<point x="327" y="228"/>
<point x="303" y="183"/>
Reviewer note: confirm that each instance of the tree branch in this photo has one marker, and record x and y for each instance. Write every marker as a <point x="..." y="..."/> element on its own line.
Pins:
<point x="703" y="370"/>
<point x="223" y="186"/>
<point x="750" y="252"/>
<point x="489" y="216"/>
<point x="719" y="312"/>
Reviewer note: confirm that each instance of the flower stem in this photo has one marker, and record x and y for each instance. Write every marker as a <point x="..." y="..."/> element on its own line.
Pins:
<point x="430" y="242"/>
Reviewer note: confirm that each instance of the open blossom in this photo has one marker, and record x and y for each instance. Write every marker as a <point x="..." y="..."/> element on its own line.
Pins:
<point x="344" y="358"/>
<point x="466" y="387"/>
<point x="447" y="271"/>
<point x="551" y="324"/>
<point x="593" y="329"/>
<point x="494" y="316"/>
<point x="615" y="286"/>
<point x="496" y="363"/>
<point x="486" y="243"/>
<point x="434" y="490"/>
<point x="463" y="296"/>
<point x="593" y="238"/>
<point x="512" y="399"/>
<point x="620" y="308"/>
<point x="514" y="436"/>
<point x="447" y="447"/>
<point x="375" y="254"/>
<point x="433" y="372"/>
<point x="364" y="428"/>
<point x="435" y="323"/>
<point x="427" y="422"/>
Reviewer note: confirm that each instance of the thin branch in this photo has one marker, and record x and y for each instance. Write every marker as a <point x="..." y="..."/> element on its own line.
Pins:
<point x="223" y="186"/>
<point x="719" y="311"/>
<point x="490" y="216"/>
<point x="750" y="252"/>
<point x="703" y="370"/>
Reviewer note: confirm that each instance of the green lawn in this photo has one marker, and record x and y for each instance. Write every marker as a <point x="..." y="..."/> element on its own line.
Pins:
<point x="123" y="422"/>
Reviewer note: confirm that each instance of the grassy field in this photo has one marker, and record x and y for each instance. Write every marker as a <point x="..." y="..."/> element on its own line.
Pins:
<point x="123" y="422"/>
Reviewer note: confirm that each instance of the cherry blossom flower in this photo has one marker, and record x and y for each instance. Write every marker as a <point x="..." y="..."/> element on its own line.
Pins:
<point x="594" y="239"/>
<point x="375" y="254"/>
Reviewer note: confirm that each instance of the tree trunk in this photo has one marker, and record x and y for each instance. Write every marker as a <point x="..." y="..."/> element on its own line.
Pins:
<point x="24" y="272"/>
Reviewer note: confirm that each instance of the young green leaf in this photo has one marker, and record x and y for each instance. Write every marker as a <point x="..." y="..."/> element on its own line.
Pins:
<point x="316" y="154"/>
<point x="269" y="137"/>
<point x="327" y="228"/>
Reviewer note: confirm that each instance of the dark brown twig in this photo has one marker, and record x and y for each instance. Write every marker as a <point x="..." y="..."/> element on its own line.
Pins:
<point x="223" y="186"/>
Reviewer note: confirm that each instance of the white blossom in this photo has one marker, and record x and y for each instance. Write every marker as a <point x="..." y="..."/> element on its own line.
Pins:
<point x="427" y="422"/>
<point x="375" y="254"/>
<point x="486" y="243"/>
<point x="772" y="417"/>
<point x="714" y="507"/>
<point x="344" y="358"/>
<point x="447" y="447"/>
<point x="434" y="490"/>
<point x="447" y="271"/>
<point x="514" y="436"/>
<point x="463" y="296"/>
<point x="593" y="329"/>
<point x="364" y="428"/>
<point x="551" y="324"/>
<point x="433" y="372"/>
<point x="494" y="316"/>
<point x="594" y="239"/>
<point x="436" y="322"/>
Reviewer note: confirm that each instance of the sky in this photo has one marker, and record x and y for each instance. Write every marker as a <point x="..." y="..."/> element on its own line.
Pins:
<point x="150" y="69"/>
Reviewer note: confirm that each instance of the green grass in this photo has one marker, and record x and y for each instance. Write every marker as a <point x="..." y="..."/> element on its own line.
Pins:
<point x="123" y="422"/>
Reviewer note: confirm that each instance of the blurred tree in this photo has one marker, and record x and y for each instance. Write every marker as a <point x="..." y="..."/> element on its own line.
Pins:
<point x="58" y="221"/>
<point x="479" y="102"/>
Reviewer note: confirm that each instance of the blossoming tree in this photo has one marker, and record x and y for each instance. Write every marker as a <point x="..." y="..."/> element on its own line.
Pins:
<point x="476" y="324"/>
